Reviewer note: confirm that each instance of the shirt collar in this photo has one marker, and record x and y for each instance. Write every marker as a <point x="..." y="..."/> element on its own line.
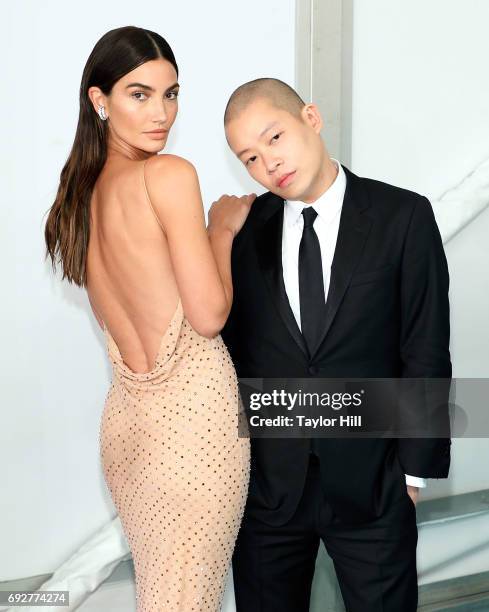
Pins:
<point x="327" y="205"/>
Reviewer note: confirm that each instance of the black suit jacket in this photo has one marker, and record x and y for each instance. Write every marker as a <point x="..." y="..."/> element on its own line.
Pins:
<point x="387" y="316"/>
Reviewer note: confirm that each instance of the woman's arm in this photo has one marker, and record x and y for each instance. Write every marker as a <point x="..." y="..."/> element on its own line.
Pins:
<point x="201" y="261"/>
<point x="221" y="241"/>
<point x="226" y="218"/>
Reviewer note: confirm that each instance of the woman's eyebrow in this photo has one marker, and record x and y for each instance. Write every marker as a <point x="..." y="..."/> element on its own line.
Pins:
<point x="148" y="88"/>
<point x="140" y="85"/>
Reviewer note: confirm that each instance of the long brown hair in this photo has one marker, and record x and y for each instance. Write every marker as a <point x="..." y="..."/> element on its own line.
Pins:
<point x="67" y="229"/>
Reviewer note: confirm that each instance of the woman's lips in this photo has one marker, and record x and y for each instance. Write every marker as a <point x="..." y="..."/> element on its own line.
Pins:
<point x="157" y="134"/>
<point x="286" y="179"/>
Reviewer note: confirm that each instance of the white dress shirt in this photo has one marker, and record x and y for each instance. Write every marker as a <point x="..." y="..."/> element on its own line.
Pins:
<point x="328" y="207"/>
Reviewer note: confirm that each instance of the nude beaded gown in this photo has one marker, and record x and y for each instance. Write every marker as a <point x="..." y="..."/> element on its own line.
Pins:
<point x="176" y="468"/>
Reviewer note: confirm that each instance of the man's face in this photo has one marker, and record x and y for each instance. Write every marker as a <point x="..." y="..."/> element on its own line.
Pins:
<point x="282" y="152"/>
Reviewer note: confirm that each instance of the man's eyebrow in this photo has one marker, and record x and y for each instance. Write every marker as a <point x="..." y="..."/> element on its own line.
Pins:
<point x="268" y="127"/>
<point x="148" y="88"/>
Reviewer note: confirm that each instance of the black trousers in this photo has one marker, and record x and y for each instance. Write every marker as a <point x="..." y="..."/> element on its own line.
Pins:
<point x="375" y="562"/>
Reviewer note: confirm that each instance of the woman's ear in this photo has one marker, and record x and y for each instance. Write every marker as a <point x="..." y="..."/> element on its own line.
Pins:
<point x="97" y="97"/>
<point x="311" y="115"/>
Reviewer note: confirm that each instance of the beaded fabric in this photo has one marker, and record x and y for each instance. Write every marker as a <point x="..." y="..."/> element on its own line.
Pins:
<point x="176" y="468"/>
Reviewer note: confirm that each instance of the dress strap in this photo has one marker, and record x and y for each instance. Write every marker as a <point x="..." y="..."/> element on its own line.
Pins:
<point x="149" y="199"/>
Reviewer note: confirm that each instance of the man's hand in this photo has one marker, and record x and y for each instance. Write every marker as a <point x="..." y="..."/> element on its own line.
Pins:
<point x="413" y="493"/>
<point x="230" y="212"/>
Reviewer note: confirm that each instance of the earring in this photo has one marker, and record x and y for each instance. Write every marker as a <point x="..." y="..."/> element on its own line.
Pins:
<point x="101" y="113"/>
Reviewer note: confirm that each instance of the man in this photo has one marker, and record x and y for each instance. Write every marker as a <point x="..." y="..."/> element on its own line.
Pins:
<point x="334" y="276"/>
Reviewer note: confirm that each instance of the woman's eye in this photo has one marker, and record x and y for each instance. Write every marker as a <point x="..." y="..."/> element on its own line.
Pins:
<point x="252" y="159"/>
<point x="172" y="95"/>
<point x="277" y="136"/>
<point x="139" y="93"/>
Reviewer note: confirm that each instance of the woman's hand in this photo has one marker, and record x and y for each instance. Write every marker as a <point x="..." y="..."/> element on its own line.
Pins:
<point x="230" y="212"/>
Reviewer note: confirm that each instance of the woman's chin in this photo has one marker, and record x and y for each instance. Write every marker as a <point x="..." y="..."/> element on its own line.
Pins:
<point x="156" y="148"/>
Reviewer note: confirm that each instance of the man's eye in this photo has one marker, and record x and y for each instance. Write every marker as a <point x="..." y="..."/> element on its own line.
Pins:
<point x="252" y="159"/>
<point x="277" y="136"/>
<point x="139" y="93"/>
<point x="172" y="95"/>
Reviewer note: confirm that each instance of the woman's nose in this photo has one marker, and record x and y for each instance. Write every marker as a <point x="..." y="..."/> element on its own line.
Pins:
<point x="160" y="114"/>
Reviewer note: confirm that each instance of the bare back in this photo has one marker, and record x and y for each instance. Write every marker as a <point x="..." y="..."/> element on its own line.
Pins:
<point x="130" y="280"/>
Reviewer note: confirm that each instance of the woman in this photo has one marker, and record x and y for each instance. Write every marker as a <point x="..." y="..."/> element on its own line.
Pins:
<point x="128" y="225"/>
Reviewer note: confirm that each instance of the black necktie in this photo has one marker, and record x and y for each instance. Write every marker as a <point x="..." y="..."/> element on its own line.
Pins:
<point x="311" y="286"/>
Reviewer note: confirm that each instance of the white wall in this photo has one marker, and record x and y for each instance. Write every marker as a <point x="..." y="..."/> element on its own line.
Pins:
<point x="53" y="359"/>
<point x="421" y="121"/>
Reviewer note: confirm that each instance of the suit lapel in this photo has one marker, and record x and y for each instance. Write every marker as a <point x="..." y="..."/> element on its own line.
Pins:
<point x="352" y="234"/>
<point x="268" y="241"/>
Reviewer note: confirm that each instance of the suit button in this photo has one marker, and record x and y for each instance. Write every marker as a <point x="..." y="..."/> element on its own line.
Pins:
<point x="313" y="369"/>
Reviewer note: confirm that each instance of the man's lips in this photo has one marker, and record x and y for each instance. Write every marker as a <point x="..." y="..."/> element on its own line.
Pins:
<point x="284" y="179"/>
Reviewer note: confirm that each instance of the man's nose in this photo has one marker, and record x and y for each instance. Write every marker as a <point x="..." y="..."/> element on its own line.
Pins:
<point x="272" y="164"/>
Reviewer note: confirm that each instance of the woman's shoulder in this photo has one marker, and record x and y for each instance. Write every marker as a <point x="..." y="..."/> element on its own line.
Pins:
<point x="169" y="177"/>
<point x="167" y="164"/>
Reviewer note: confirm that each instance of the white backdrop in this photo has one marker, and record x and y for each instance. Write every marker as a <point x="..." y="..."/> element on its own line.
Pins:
<point x="55" y="373"/>
<point x="421" y="121"/>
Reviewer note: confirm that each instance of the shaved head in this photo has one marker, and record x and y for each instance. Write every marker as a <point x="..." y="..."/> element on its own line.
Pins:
<point x="278" y="93"/>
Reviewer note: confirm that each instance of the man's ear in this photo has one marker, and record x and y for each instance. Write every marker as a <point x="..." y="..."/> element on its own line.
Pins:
<point x="311" y="115"/>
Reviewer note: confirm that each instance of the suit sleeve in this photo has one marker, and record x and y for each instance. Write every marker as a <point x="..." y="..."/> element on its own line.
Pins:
<point x="424" y="343"/>
<point x="228" y="332"/>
